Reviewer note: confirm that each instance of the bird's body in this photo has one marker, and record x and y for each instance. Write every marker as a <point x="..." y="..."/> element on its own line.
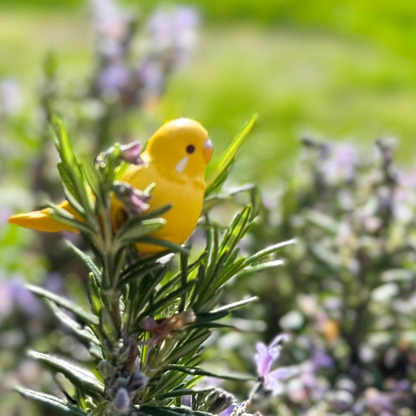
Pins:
<point x="175" y="161"/>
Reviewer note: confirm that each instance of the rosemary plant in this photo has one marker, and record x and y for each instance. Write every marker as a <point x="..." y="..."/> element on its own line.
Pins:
<point x="148" y="322"/>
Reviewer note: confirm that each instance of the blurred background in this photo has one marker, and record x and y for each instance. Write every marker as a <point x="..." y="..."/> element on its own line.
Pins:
<point x="343" y="70"/>
<point x="334" y="71"/>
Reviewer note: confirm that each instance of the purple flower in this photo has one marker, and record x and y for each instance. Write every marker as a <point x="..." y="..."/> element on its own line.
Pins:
<point x="307" y="385"/>
<point x="404" y="198"/>
<point x="114" y="78"/>
<point x="130" y="153"/>
<point x="112" y="27"/>
<point x="25" y="300"/>
<point x="186" y="401"/>
<point x="105" y="13"/>
<point x="134" y="200"/>
<point x="401" y="385"/>
<point x="172" y="32"/>
<point x="265" y="358"/>
<point x="340" y="166"/>
<point x="138" y="201"/>
<point x="54" y="282"/>
<point x="169" y="25"/>
<point x="122" y="400"/>
<point x="229" y="410"/>
<point x="171" y="39"/>
<point x="377" y="400"/>
<point x="321" y="359"/>
<point x="151" y="76"/>
<point x="14" y="294"/>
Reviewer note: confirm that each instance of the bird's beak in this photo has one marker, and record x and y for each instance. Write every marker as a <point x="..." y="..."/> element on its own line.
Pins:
<point x="207" y="150"/>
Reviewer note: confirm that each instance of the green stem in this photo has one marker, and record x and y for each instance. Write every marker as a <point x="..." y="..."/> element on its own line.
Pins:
<point x="184" y="278"/>
<point x="111" y="294"/>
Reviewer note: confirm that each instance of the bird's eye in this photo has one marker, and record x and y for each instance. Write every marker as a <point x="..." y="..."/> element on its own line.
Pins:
<point x="190" y="149"/>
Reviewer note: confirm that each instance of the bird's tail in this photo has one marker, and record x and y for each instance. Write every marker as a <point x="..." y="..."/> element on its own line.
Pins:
<point x="42" y="220"/>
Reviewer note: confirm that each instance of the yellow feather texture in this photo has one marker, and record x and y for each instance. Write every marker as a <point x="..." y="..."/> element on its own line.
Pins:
<point x="175" y="161"/>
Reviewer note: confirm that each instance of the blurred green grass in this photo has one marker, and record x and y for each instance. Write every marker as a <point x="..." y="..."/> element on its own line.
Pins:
<point x="309" y="69"/>
<point x="299" y="83"/>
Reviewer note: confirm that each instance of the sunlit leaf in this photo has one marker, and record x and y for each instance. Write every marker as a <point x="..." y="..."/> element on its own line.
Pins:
<point x="80" y="377"/>
<point x="52" y="401"/>
<point x="83" y="316"/>
<point x="259" y="267"/>
<point x="72" y="324"/>
<point x="134" y="229"/>
<point x="87" y="260"/>
<point x="267" y="252"/>
<point x="228" y="159"/>
<point x="200" y="372"/>
<point x="171" y="411"/>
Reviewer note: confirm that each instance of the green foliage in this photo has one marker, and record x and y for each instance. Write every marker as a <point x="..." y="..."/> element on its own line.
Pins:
<point x="148" y="322"/>
<point x="345" y="292"/>
<point x="82" y="378"/>
<point x="302" y="76"/>
<point x="82" y="315"/>
<point x="51" y="401"/>
<point x="227" y="161"/>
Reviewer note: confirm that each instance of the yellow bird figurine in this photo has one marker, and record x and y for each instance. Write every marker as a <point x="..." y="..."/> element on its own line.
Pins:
<point x="175" y="160"/>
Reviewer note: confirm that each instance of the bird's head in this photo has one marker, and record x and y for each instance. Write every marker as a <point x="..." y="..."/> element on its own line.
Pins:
<point x="180" y="146"/>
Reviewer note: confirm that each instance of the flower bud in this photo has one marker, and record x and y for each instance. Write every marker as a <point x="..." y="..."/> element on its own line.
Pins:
<point x="134" y="201"/>
<point x="122" y="401"/>
<point x="137" y="382"/>
<point x="217" y="401"/>
<point x="130" y="153"/>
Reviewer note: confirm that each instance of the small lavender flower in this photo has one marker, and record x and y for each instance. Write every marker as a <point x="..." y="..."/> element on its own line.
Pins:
<point x="265" y="357"/>
<point x="308" y="381"/>
<point x="54" y="282"/>
<point x="171" y="40"/>
<point x="14" y="294"/>
<point x="377" y="400"/>
<point x="134" y="200"/>
<point x="229" y="410"/>
<point x="238" y="410"/>
<point x="130" y="153"/>
<point x="404" y="198"/>
<point x="341" y="164"/>
<point x="173" y="31"/>
<point x="321" y="359"/>
<point x="186" y="401"/>
<point x="151" y="75"/>
<point x="111" y="24"/>
<point x="114" y="78"/>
